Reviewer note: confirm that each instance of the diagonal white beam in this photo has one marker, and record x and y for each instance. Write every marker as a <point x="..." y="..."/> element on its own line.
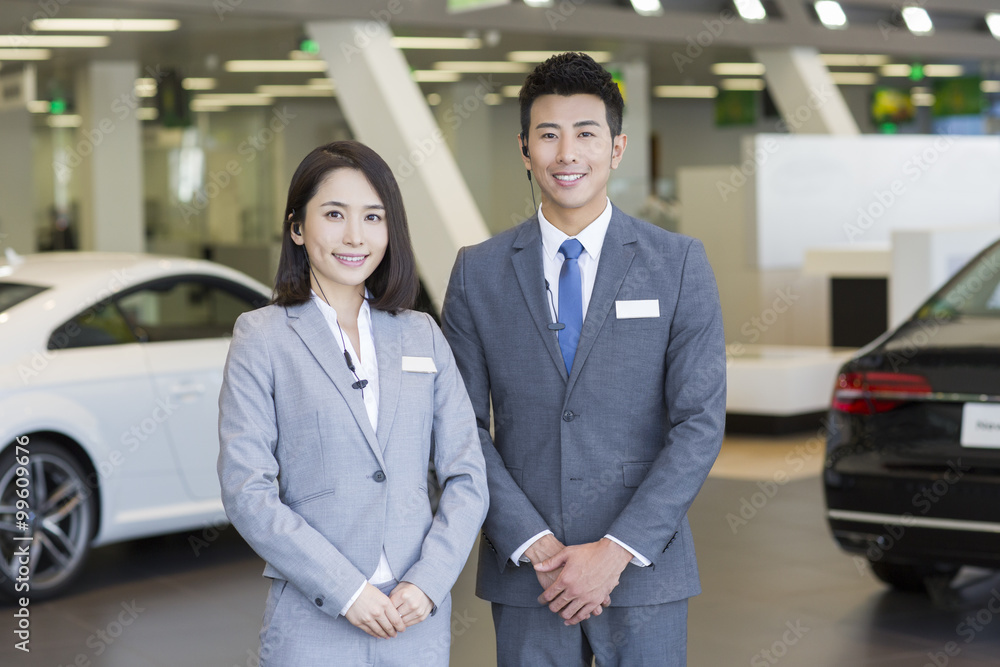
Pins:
<point x="387" y="111"/>
<point x="801" y="87"/>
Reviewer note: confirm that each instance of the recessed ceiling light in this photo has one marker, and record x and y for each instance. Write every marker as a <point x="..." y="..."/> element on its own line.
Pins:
<point x="990" y="86"/>
<point x="295" y="91"/>
<point x="831" y="14"/>
<point x="106" y="25"/>
<point x="511" y="91"/>
<point x="55" y="41"/>
<point x="25" y="54"/>
<point x="943" y="70"/>
<point x="275" y="66"/>
<point x="42" y="106"/>
<point x="484" y="67"/>
<point x="854" y="78"/>
<point x="145" y="87"/>
<point x="689" y="92"/>
<point x="65" y="120"/>
<point x="437" y="42"/>
<point x="434" y="99"/>
<point x="647" y="7"/>
<point x="539" y="3"/>
<point x="199" y="83"/>
<point x="854" y="59"/>
<point x="922" y="99"/>
<point x="147" y="113"/>
<point x="993" y="23"/>
<point x="738" y="69"/>
<point x="751" y="10"/>
<point x="235" y="99"/>
<point x="742" y="84"/>
<point x="435" y="76"/>
<point x="917" y="20"/>
<point x="542" y="56"/>
<point x="895" y="69"/>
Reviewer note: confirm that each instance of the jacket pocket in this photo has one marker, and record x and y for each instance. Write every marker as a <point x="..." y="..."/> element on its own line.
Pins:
<point x="634" y="473"/>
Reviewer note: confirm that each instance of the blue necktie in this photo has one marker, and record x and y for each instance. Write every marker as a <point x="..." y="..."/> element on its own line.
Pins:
<point x="570" y="300"/>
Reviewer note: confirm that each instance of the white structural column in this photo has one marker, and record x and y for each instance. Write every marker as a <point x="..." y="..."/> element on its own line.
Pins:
<point x="17" y="214"/>
<point x="467" y="122"/>
<point x="800" y="84"/>
<point x="630" y="184"/>
<point x="107" y="151"/>
<point x="387" y="111"/>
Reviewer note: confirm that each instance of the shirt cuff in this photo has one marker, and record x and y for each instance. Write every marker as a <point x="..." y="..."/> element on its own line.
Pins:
<point x="518" y="556"/>
<point x="343" y="612"/>
<point x="638" y="559"/>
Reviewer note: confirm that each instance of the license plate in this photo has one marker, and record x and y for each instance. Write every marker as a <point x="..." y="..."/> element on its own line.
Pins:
<point x="981" y="425"/>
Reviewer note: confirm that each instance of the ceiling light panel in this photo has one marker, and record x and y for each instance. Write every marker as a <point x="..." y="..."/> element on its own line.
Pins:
<point x="854" y="59"/>
<point x="742" y="84"/>
<point x="25" y="54"/>
<point x="484" y="67"/>
<point x="750" y="10"/>
<point x="738" y="69"/>
<point x="831" y="14"/>
<point x="105" y="25"/>
<point x="55" y="41"/>
<point x="542" y="56"/>
<point x="435" y="76"/>
<point x="275" y="66"/>
<point x="647" y="7"/>
<point x="437" y="42"/>
<point x="686" y="92"/>
<point x="917" y="20"/>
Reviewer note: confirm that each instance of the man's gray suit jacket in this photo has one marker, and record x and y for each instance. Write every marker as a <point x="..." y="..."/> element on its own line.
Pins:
<point x="314" y="489"/>
<point x="622" y="444"/>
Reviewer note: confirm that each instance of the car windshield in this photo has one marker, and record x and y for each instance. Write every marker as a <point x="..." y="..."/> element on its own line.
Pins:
<point x="973" y="292"/>
<point x="12" y="294"/>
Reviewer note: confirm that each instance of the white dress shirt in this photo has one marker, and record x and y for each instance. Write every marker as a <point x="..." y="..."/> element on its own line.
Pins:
<point x="366" y="366"/>
<point x="592" y="239"/>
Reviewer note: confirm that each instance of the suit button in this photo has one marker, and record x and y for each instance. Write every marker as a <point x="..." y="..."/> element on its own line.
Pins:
<point x="319" y="602"/>
<point x="568" y="416"/>
<point x="379" y="476"/>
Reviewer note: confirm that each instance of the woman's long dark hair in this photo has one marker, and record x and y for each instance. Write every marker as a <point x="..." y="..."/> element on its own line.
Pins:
<point x="393" y="284"/>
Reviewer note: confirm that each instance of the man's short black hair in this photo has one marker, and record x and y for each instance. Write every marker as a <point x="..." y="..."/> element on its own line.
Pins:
<point x="572" y="74"/>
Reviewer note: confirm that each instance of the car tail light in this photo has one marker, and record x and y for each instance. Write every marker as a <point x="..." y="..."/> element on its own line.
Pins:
<point x="872" y="392"/>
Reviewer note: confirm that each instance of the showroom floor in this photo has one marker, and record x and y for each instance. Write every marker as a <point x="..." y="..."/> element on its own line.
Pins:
<point x="776" y="591"/>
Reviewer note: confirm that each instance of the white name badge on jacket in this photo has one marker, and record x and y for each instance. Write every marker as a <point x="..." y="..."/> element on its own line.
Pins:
<point x="627" y="310"/>
<point x="419" y="365"/>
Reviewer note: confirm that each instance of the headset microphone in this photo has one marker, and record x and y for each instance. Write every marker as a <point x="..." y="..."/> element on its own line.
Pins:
<point x="524" y="152"/>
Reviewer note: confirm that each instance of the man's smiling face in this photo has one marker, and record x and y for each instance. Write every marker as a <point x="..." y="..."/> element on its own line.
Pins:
<point x="571" y="155"/>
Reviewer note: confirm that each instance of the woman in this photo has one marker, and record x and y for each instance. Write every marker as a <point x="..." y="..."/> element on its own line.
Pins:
<point x="334" y="399"/>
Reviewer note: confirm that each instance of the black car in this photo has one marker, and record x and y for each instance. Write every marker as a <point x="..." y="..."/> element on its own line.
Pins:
<point x="912" y="474"/>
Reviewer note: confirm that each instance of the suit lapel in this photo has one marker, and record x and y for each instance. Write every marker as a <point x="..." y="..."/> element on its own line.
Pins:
<point x="616" y="258"/>
<point x="527" y="261"/>
<point x="309" y="323"/>
<point x="388" y="349"/>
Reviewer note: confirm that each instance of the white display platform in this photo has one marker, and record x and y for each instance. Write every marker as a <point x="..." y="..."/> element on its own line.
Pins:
<point x="782" y="380"/>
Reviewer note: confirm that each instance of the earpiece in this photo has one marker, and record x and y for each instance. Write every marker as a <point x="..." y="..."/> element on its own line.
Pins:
<point x="524" y="146"/>
<point x="297" y="228"/>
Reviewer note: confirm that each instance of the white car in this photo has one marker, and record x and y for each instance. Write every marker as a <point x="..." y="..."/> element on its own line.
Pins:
<point x="110" y="370"/>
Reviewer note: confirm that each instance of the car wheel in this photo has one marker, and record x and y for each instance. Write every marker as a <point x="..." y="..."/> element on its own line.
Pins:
<point x="911" y="577"/>
<point x="61" y="516"/>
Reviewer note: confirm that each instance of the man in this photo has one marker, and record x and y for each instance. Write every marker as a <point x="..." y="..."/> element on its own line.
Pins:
<point x="598" y="340"/>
